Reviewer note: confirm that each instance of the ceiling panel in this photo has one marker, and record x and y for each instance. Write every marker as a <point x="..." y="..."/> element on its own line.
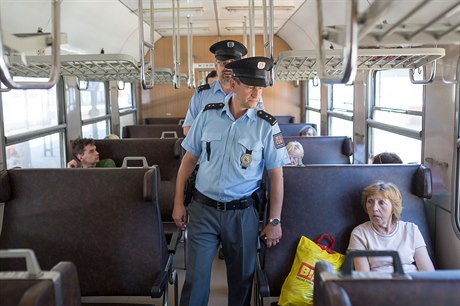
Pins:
<point x="229" y="20"/>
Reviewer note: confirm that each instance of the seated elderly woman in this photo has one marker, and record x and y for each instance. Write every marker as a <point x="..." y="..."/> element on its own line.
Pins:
<point x="295" y="151"/>
<point x="385" y="231"/>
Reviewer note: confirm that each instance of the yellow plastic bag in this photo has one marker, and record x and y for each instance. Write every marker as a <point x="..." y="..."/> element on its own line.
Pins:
<point x="298" y="286"/>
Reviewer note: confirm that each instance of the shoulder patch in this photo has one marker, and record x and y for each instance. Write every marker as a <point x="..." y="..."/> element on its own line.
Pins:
<point x="203" y="87"/>
<point x="267" y="117"/>
<point x="213" y="106"/>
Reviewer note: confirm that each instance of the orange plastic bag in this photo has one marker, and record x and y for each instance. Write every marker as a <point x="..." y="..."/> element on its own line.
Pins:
<point x="298" y="286"/>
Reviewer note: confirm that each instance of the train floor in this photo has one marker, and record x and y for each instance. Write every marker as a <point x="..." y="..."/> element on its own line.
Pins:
<point x="219" y="291"/>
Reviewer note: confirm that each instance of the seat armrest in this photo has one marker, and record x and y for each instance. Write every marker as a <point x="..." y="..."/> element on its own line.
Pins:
<point x="175" y="239"/>
<point x="261" y="279"/>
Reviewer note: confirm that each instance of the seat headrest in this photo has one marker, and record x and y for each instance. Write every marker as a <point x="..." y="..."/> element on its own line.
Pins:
<point x="347" y="147"/>
<point x="423" y="182"/>
<point x="5" y="187"/>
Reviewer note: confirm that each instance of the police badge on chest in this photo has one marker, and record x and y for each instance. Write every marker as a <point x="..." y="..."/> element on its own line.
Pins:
<point x="246" y="159"/>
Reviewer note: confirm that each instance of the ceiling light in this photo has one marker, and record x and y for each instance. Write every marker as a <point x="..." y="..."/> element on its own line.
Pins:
<point x="240" y="28"/>
<point x="245" y="8"/>
<point x="169" y="10"/>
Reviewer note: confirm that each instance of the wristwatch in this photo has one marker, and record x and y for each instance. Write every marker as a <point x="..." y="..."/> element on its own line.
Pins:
<point x="274" y="221"/>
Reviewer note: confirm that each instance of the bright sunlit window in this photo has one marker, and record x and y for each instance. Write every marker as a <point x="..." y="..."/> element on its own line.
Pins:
<point x="341" y="113"/>
<point x="396" y="116"/>
<point x="313" y="107"/>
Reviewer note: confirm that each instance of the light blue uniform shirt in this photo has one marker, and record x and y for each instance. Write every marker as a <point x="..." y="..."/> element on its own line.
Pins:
<point x="202" y="98"/>
<point x="221" y="175"/>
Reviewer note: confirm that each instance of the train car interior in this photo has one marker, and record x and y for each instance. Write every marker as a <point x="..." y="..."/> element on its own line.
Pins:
<point x="366" y="76"/>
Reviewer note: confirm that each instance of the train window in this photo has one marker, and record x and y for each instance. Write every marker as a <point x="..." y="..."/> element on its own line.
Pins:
<point x="340" y="114"/>
<point x="29" y="110"/>
<point x="127" y="107"/>
<point x="313" y="106"/>
<point x="32" y="126"/>
<point x="95" y="111"/>
<point x="97" y="130"/>
<point x="396" y="115"/>
<point x="93" y="101"/>
<point x="41" y="152"/>
<point x="125" y="97"/>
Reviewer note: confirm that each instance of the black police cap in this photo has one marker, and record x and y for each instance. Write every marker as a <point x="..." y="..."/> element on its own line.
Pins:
<point x="228" y="49"/>
<point x="252" y="71"/>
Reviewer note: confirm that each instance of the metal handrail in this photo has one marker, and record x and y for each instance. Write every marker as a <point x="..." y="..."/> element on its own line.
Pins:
<point x="149" y="45"/>
<point x="5" y="75"/>
<point x="272" y="42"/>
<point x="176" y="42"/>
<point x="350" y="49"/>
<point x="427" y="81"/>
<point x="191" y="71"/>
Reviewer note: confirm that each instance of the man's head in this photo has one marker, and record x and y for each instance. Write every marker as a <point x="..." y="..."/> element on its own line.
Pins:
<point x="84" y="151"/>
<point x="211" y="77"/>
<point x="226" y="51"/>
<point x="250" y="75"/>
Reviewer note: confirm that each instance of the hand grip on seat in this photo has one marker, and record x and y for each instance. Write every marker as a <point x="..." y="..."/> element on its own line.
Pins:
<point x="347" y="267"/>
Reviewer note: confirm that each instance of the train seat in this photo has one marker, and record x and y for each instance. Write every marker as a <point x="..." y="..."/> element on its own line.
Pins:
<point x="285" y="119"/>
<point x="324" y="149"/>
<point x="165" y="153"/>
<point x="152" y="131"/>
<point x="327" y="199"/>
<point x="295" y="129"/>
<point x="105" y="220"/>
<point x="347" y="288"/>
<point x="34" y="287"/>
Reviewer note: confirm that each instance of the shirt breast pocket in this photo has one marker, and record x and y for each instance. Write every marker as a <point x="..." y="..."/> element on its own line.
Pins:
<point x="250" y="153"/>
<point x="210" y="143"/>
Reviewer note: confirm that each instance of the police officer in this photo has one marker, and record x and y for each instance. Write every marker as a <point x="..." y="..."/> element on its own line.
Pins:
<point x="225" y="51"/>
<point x="233" y="142"/>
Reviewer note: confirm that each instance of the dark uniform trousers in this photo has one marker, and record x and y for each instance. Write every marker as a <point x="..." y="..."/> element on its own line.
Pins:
<point x="238" y="231"/>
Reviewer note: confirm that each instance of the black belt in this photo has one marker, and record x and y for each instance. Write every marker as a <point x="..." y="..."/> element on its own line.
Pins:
<point x="232" y="205"/>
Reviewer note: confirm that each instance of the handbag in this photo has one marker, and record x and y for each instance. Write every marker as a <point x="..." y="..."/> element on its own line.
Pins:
<point x="298" y="286"/>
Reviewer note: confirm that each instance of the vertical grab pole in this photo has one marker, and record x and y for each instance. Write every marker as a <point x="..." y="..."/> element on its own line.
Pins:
<point x="350" y="49"/>
<point x="174" y="42"/>
<point x="266" y="42"/>
<point x="191" y="71"/>
<point x="142" y="43"/>
<point x="5" y="75"/>
<point x="176" y="10"/>
<point x="245" y="33"/>
<point x="272" y="41"/>
<point x="251" y="28"/>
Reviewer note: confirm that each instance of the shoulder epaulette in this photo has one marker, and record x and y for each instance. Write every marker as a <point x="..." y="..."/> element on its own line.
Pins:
<point x="203" y="87"/>
<point x="267" y="117"/>
<point x="213" y="106"/>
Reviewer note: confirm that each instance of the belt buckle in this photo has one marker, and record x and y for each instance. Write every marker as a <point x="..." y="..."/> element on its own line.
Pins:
<point x="221" y="206"/>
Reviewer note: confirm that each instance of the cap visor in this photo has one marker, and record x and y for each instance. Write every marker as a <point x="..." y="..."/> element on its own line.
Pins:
<point x="253" y="82"/>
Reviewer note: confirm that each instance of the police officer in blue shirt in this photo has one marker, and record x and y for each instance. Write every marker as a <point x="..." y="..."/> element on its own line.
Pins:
<point x="233" y="142"/>
<point x="225" y="51"/>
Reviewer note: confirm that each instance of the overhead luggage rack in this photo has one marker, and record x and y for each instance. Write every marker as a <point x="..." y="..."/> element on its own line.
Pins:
<point x="91" y="67"/>
<point x="302" y="64"/>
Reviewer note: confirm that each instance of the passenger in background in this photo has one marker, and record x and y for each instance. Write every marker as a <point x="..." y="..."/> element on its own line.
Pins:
<point x="308" y="132"/>
<point x="112" y="136"/>
<point x="387" y="158"/>
<point x="211" y="77"/>
<point x="385" y="231"/>
<point x="225" y="51"/>
<point x="233" y="142"/>
<point x="296" y="152"/>
<point x="86" y="155"/>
